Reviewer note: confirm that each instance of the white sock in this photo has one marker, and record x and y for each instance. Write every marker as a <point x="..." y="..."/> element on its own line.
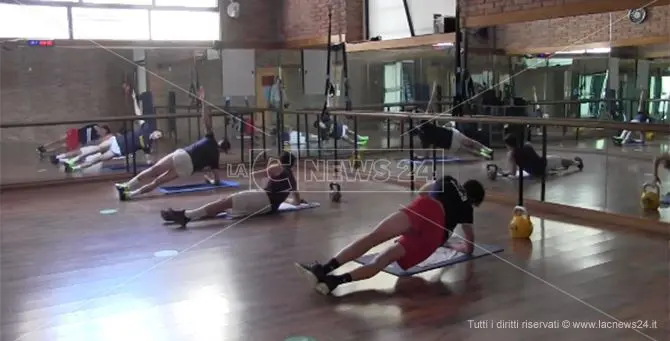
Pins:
<point x="60" y="156"/>
<point x="196" y="214"/>
<point x="132" y="194"/>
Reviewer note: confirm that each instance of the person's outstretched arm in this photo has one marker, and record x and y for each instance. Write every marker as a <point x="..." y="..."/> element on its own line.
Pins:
<point x="511" y="165"/>
<point x="467" y="245"/>
<point x="207" y="124"/>
<point x="657" y="164"/>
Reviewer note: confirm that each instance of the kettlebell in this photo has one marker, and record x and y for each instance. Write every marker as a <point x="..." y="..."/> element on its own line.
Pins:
<point x="492" y="171"/>
<point x="520" y="226"/>
<point x="224" y="145"/>
<point x="335" y="194"/>
<point x="651" y="197"/>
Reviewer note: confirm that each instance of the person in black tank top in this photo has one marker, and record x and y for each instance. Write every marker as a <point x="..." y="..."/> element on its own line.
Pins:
<point x="280" y="185"/>
<point x="447" y="138"/>
<point x="198" y="156"/>
<point x="525" y="158"/>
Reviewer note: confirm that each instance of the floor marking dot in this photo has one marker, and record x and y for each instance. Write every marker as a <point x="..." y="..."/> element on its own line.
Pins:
<point x="166" y="253"/>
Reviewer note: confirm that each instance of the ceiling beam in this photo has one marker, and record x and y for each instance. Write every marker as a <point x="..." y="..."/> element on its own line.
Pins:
<point x="570" y="9"/>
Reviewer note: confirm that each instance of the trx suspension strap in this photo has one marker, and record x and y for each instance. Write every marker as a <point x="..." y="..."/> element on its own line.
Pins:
<point x="195" y="85"/>
<point x="329" y="84"/>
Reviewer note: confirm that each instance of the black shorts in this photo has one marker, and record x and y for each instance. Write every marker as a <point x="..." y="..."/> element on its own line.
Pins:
<point x="86" y="135"/>
<point x="437" y="137"/>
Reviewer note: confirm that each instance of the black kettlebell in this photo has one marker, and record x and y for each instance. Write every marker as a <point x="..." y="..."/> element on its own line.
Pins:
<point x="224" y="145"/>
<point x="335" y="194"/>
<point x="492" y="171"/>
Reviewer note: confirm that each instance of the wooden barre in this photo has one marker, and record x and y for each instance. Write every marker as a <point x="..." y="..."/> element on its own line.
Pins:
<point x="585" y="123"/>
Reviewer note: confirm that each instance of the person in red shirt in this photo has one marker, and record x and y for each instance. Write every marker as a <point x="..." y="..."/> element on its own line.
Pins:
<point x="420" y="228"/>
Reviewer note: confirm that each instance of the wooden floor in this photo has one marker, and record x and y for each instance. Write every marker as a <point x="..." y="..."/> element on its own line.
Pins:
<point x="70" y="273"/>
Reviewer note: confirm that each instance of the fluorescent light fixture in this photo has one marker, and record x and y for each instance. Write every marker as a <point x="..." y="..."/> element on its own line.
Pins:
<point x="599" y="50"/>
<point x="571" y="52"/>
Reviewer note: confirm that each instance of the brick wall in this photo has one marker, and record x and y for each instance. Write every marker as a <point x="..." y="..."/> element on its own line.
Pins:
<point x="309" y="18"/>
<point x="483" y="7"/>
<point x="59" y="84"/>
<point x="582" y="29"/>
<point x="259" y="22"/>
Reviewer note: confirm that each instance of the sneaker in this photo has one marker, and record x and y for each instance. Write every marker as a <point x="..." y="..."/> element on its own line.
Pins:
<point x="313" y="273"/>
<point x="327" y="286"/>
<point x="69" y="168"/>
<point x="122" y="190"/>
<point x="41" y="150"/>
<point x="53" y="159"/>
<point x="580" y="162"/>
<point x="175" y="216"/>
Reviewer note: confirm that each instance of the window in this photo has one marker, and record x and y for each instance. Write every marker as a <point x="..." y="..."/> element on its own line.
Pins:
<point x="111" y="24"/>
<point x="393" y="85"/>
<point x="121" y="2"/>
<point x="33" y="22"/>
<point x="188" y="3"/>
<point x="184" y="25"/>
<point x="387" y="19"/>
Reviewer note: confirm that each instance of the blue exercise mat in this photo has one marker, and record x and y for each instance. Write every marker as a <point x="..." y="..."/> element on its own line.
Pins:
<point x="197" y="187"/>
<point x="437" y="160"/>
<point x="122" y="166"/>
<point x="284" y="207"/>
<point x="440" y="258"/>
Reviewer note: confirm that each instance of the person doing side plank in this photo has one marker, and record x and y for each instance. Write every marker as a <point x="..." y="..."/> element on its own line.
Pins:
<point x="421" y="228"/>
<point x="449" y="138"/>
<point x="182" y="162"/>
<point x="117" y="145"/>
<point x="102" y="133"/>
<point x="526" y="159"/>
<point x="280" y="184"/>
<point x="74" y="138"/>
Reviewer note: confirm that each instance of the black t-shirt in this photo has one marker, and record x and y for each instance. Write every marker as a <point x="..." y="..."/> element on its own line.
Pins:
<point x="528" y="160"/>
<point x="204" y="153"/>
<point x="88" y="133"/>
<point x="279" y="187"/>
<point x="439" y="137"/>
<point x="136" y="140"/>
<point x="457" y="207"/>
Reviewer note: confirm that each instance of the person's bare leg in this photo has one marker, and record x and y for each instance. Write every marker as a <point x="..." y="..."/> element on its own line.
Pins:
<point x="101" y="148"/>
<point x="474" y="145"/>
<point x="384" y="259"/>
<point x="391" y="227"/>
<point x="56" y="144"/>
<point x="95" y="160"/>
<point x="161" y="179"/>
<point x="69" y="155"/>
<point x="158" y="169"/>
<point x="476" y="148"/>
<point x="211" y="209"/>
